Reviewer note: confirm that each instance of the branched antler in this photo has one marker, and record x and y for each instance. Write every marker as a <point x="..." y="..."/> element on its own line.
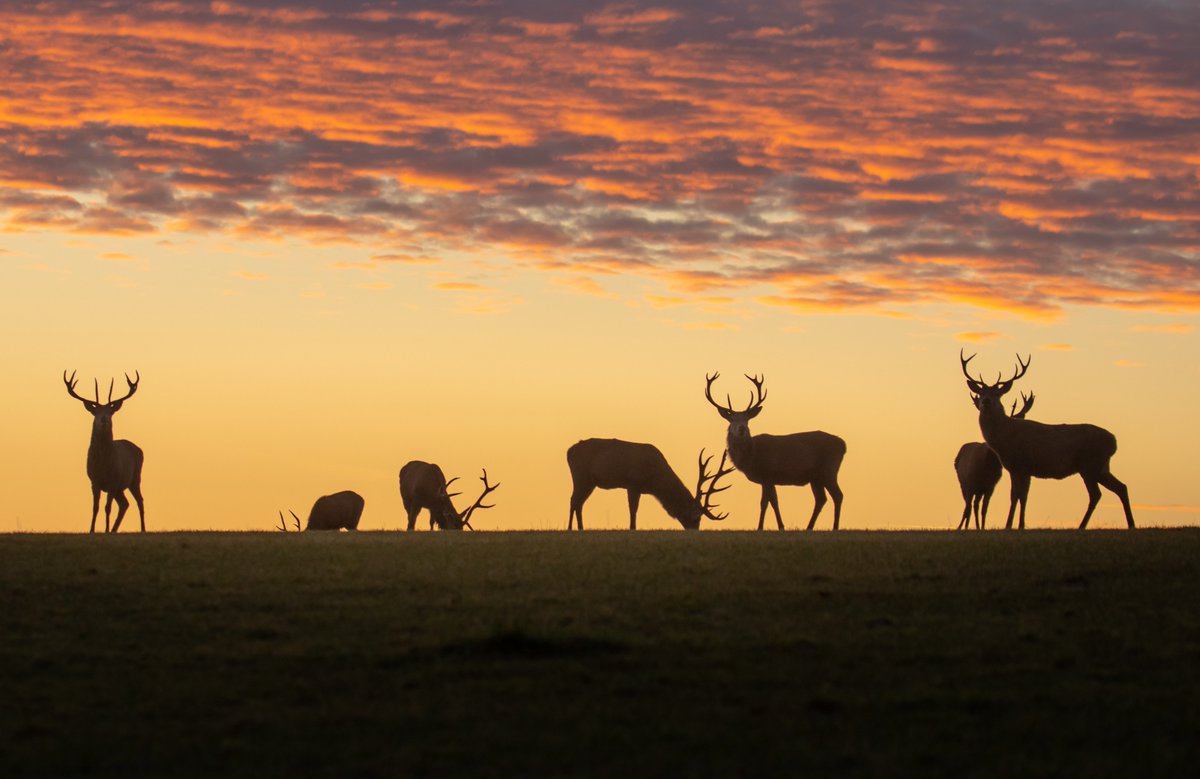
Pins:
<point x="465" y="516"/>
<point x="703" y="496"/>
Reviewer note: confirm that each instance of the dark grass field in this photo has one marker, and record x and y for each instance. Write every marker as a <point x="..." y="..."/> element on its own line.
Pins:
<point x="600" y="654"/>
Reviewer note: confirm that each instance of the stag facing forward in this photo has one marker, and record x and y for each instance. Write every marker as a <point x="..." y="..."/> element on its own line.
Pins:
<point x="424" y="487"/>
<point x="978" y="469"/>
<point x="812" y="458"/>
<point x="112" y="466"/>
<point x="1029" y="449"/>
<point x="640" y="469"/>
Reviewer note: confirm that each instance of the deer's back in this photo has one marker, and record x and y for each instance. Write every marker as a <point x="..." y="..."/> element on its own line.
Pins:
<point x="610" y="463"/>
<point x="1052" y="451"/>
<point x="421" y="483"/>
<point x="797" y="458"/>
<point x="336" y="511"/>
<point x="977" y="466"/>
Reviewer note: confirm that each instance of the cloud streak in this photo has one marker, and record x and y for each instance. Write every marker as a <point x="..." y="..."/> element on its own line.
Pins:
<point x="1020" y="157"/>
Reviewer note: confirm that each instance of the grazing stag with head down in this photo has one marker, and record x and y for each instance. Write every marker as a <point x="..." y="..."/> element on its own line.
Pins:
<point x="341" y="510"/>
<point x="770" y="460"/>
<point x="1030" y="449"/>
<point x="979" y="470"/>
<point x="423" y="486"/>
<point x="112" y="466"/>
<point x="640" y="469"/>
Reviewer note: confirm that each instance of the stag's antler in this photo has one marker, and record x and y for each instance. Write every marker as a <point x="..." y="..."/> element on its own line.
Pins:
<point x="703" y="496"/>
<point x="283" y="522"/>
<point x="1028" y="401"/>
<point x="1002" y="385"/>
<point x="71" y="382"/>
<point x="465" y="516"/>
<point x="756" y="399"/>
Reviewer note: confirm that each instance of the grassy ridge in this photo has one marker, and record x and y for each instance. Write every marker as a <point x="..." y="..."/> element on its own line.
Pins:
<point x="710" y="654"/>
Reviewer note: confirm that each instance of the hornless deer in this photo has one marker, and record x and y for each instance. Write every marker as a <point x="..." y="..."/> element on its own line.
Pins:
<point x="1027" y="449"/>
<point x="423" y="486"/>
<point x="771" y="460"/>
<point x="640" y="469"/>
<point x="112" y="466"/>
<point x="331" y="512"/>
<point x="978" y="470"/>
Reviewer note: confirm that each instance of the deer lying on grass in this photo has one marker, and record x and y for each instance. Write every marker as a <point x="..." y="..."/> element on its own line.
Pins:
<point x="423" y="486"/>
<point x="1030" y="449"/>
<point x="771" y="460"/>
<point x="112" y="466"/>
<point x="978" y="470"/>
<point x="331" y="512"/>
<point x="640" y="469"/>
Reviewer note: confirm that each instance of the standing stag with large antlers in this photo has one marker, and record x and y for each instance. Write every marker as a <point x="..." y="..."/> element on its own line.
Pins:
<point x="640" y="469"/>
<point x="112" y="466"/>
<point x="1030" y="449"/>
<point x="772" y="460"/>
<point x="423" y="486"/>
<point x="978" y="469"/>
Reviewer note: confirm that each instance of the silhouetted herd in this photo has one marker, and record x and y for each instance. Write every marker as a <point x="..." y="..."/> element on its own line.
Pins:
<point x="1025" y="448"/>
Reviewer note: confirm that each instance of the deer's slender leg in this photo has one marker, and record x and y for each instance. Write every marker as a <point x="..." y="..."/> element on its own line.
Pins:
<point x="578" y="497"/>
<point x="122" y="507"/>
<point x="1093" y="491"/>
<point x="818" y="503"/>
<point x="966" y="517"/>
<point x="634" y="498"/>
<point x="108" y="510"/>
<point x="835" y="492"/>
<point x="763" y="502"/>
<point x="1020" y="489"/>
<point x="136" y="489"/>
<point x="773" y="499"/>
<point x="95" y="506"/>
<point x="412" y="517"/>
<point x="981" y="520"/>
<point x="1121" y="491"/>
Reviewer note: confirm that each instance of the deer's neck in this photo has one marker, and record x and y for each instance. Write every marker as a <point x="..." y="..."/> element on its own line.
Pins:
<point x="100" y="450"/>
<point x="997" y="428"/>
<point x="674" y="496"/>
<point x="741" y="451"/>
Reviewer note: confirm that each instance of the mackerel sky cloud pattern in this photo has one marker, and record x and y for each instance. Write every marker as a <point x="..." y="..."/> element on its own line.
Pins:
<point x="815" y="155"/>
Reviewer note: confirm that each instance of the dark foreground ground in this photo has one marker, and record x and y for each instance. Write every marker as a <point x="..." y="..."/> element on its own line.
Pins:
<point x="600" y="654"/>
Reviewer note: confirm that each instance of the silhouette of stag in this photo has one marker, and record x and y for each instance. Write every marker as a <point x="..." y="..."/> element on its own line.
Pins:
<point x="1030" y="449"/>
<point x="112" y="466"/>
<point x="978" y="470"/>
<point x="423" y="486"/>
<point x="331" y="512"/>
<point x="640" y="469"/>
<point x="772" y="460"/>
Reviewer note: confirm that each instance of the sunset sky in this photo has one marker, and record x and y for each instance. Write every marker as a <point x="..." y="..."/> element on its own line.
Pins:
<point x="333" y="237"/>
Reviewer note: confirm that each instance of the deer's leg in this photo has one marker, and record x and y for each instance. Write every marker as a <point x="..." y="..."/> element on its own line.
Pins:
<point x="1020" y="490"/>
<point x="122" y="507"/>
<point x="835" y="492"/>
<point x="412" y="516"/>
<point x="818" y="503"/>
<point x="1121" y="491"/>
<point x="578" y="497"/>
<point x="1093" y="491"/>
<point x="95" y="507"/>
<point x="136" y="490"/>
<point x="773" y="499"/>
<point x="966" y="517"/>
<point x="982" y="518"/>
<point x="107" y="511"/>
<point x="763" y="502"/>
<point x="634" y="498"/>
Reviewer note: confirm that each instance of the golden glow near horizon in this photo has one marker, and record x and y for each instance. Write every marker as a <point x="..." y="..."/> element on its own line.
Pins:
<point x="336" y="237"/>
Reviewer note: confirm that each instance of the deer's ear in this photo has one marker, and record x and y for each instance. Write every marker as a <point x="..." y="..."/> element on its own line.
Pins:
<point x="724" y="412"/>
<point x="754" y="412"/>
<point x="117" y="406"/>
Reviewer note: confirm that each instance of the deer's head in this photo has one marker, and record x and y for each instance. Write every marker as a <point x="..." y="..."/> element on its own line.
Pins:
<point x="102" y="412"/>
<point x="987" y="397"/>
<point x="739" y="421"/>
<point x="447" y="518"/>
<point x="703" y="506"/>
